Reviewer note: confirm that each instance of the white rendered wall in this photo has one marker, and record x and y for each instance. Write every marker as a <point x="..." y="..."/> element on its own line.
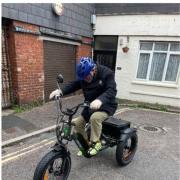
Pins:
<point x="141" y="27"/>
<point x="130" y="88"/>
<point x="164" y="25"/>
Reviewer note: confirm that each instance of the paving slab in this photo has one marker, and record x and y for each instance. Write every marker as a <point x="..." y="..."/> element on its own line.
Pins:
<point x="18" y="124"/>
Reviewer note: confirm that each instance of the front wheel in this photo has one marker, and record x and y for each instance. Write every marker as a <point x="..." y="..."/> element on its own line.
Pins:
<point x="126" y="149"/>
<point x="53" y="166"/>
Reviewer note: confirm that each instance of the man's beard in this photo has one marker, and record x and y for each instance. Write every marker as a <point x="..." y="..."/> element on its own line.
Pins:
<point x="89" y="78"/>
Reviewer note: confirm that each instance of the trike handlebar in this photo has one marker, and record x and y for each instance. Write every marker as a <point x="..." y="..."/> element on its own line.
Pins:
<point x="73" y="110"/>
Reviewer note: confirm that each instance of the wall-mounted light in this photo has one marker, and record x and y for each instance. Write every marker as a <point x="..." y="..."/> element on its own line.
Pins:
<point x="124" y="43"/>
<point x="93" y="21"/>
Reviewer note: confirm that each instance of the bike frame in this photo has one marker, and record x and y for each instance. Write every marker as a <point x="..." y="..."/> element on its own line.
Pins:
<point x="62" y="140"/>
<point x="79" y="140"/>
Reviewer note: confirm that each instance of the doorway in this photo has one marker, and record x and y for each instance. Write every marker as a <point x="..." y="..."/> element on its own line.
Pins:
<point x="105" y="49"/>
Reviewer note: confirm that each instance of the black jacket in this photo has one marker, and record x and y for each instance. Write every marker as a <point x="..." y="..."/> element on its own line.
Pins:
<point x="102" y="87"/>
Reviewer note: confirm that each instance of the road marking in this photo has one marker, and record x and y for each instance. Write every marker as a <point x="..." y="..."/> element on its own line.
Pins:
<point x="24" y="153"/>
<point x="43" y="141"/>
<point x="23" y="137"/>
<point x="122" y="110"/>
<point x="157" y="111"/>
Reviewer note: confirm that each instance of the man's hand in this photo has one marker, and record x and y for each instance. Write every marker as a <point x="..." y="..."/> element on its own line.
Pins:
<point x="96" y="104"/>
<point x="57" y="92"/>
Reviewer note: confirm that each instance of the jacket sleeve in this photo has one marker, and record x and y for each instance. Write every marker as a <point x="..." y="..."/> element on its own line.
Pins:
<point x="71" y="87"/>
<point x="110" y="89"/>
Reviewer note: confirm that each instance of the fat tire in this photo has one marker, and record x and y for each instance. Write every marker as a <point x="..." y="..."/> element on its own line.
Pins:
<point x="120" y="148"/>
<point x="46" y="161"/>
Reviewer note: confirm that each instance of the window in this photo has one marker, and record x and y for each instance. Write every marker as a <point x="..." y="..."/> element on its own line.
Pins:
<point x="159" y="61"/>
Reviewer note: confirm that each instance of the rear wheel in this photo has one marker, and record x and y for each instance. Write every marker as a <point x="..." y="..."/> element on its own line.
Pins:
<point x="125" y="150"/>
<point x="53" y="166"/>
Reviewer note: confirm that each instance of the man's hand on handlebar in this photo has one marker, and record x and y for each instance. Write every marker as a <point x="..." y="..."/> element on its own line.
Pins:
<point x="96" y="104"/>
<point x="57" y="92"/>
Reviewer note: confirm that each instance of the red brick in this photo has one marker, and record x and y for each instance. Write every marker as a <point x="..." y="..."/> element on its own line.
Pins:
<point x="84" y="49"/>
<point x="26" y="53"/>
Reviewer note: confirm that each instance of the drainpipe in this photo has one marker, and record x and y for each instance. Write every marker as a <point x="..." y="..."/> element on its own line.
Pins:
<point x="93" y="23"/>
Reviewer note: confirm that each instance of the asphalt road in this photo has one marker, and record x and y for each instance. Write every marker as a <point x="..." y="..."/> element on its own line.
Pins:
<point x="157" y="157"/>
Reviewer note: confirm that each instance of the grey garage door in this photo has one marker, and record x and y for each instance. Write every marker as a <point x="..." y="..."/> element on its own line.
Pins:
<point x="58" y="58"/>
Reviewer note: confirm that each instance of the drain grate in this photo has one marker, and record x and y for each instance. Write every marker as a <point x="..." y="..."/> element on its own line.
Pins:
<point x="150" y="128"/>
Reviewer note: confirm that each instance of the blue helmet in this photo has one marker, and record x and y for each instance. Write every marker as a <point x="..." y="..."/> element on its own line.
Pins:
<point x="84" y="67"/>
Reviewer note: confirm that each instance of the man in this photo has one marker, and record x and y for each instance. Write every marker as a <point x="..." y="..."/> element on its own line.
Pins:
<point x="99" y="88"/>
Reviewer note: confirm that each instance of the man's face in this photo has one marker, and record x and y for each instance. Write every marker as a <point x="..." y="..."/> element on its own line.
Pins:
<point x="89" y="77"/>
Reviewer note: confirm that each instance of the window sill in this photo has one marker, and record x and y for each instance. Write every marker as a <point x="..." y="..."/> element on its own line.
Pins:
<point x="158" y="84"/>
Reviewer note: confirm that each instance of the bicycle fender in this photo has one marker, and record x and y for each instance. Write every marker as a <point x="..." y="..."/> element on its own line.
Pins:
<point x="60" y="148"/>
<point x="126" y="133"/>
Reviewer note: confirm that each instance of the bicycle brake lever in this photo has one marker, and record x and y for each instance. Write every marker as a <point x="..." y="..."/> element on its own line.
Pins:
<point x="86" y="104"/>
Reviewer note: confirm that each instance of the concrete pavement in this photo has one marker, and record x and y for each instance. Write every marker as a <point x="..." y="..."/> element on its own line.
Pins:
<point x="24" y="124"/>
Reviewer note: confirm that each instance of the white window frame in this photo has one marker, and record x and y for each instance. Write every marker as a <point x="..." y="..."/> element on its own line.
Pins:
<point x="168" y="52"/>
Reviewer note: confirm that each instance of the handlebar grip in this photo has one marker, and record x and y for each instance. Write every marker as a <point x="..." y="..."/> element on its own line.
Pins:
<point x="56" y="97"/>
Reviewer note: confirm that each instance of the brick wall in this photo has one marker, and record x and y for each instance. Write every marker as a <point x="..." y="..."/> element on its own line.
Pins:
<point x="26" y="58"/>
<point x="84" y="49"/>
<point x="12" y="58"/>
<point x="26" y="54"/>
